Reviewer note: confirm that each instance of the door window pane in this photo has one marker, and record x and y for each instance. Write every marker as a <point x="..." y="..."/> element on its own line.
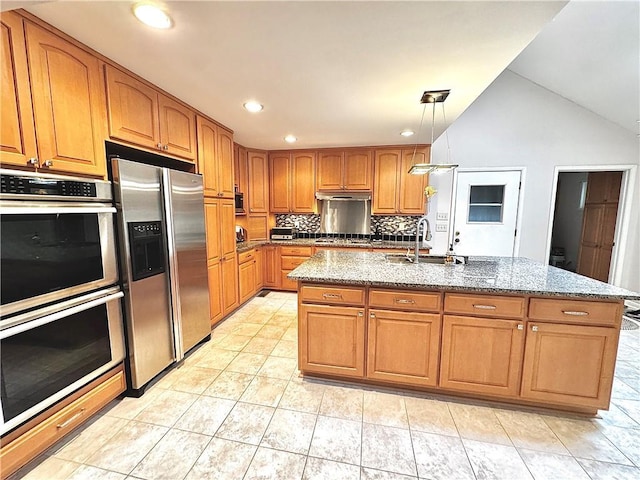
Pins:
<point x="485" y="203"/>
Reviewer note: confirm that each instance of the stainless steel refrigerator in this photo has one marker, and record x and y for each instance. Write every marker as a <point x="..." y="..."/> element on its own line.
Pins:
<point x="163" y="266"/>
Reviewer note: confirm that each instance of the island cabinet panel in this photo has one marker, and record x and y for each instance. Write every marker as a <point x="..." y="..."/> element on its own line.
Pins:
<point x="67" y="90"/>
<point x="405" y="300"/>
<point x="403" y="347"/>
<point x="17" y="134"/>
<point x="481" y="355"/>
<point x="569" y="364"/>
<point x="334" y="295"/>
<point x="485" y="305"/>
<point x="331" y="340"/>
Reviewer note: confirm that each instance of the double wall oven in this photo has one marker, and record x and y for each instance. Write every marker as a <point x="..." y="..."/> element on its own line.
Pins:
<point x="60" y="313"/>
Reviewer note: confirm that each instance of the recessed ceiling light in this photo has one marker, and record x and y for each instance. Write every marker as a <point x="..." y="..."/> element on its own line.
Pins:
<point x="152" y="15"/>
<point x="290" y="139"/>
<point x="407" y="133"/>
<point x="253" y="107"/>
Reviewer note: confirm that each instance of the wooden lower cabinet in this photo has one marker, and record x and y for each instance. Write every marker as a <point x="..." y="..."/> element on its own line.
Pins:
<point x="27" y="442"/>
<point x="259" y="256"/>
<point x="229" y="271"/>
<point x="403" y="347"/>
<point x="271" y="266"/>
<point x="569" y="364"/>
<point x="331" y="340"/>
<point x="248" y="264"/>
<point x="481" y="355"/>
<point x="215" y="292"/>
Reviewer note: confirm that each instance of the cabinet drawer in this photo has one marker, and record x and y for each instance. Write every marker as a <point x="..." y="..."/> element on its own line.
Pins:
<point x="336" y="295"/>
<point x="289" y="263"/>
<point x="300" y="251"/>
<point x="246" y="256"/>
<point x="575" y="311"/>
<point x="405" y="300"/>
<point x="34" y="441"/>
<point x="484" y="305"/>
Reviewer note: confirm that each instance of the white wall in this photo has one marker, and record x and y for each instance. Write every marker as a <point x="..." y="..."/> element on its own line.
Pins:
<point x="567" y="222"/>
<point x="516" y="123"/>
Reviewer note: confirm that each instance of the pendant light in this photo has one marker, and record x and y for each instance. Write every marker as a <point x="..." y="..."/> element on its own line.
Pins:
<point x="432" y="97"/>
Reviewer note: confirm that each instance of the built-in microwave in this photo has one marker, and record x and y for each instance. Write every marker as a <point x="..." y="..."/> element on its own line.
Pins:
<point x="239" y="202"/>
<point x="57" y="241"/>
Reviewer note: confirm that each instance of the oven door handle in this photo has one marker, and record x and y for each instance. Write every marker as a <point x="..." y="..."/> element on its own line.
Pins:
<point x="22" y="327"/>
<point x="31" y="209"/>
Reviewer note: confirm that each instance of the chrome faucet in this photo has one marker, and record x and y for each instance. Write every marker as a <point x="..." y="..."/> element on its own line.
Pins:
<point x="421" y="221"/>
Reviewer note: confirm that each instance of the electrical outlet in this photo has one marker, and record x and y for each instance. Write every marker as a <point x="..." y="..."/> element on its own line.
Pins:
<point x="401" y="226"/>
<point x="444" y="216"/>
<point x="441" y="227"/>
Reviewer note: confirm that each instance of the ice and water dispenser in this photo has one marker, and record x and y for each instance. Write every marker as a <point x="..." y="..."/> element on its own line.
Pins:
<point x="147" y="249"/>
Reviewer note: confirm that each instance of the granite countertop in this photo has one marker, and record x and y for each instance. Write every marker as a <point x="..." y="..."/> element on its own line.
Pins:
<point x="244" y="246"/>
<point x="482" y="274"/>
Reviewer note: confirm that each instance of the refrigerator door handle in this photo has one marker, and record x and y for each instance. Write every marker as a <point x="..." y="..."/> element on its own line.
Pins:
<point x="173" y="267"/>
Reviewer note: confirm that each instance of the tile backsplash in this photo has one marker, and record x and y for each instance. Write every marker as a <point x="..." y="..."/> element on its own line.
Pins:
<point x="388" y="225"/>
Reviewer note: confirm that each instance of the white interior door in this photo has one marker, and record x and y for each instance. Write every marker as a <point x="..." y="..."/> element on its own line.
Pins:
<point x="486" y="213"/>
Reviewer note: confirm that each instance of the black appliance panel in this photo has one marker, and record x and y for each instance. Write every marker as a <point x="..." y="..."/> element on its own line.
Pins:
<point x="147" y="249"/>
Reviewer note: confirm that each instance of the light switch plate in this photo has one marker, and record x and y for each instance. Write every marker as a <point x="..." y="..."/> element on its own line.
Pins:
<point x="441" y="227"/>
<point x="442" y="216"/>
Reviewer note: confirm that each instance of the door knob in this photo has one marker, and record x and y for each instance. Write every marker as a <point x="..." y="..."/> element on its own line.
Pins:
<point x="33" y="161"/>
<point x="48" y="164"/>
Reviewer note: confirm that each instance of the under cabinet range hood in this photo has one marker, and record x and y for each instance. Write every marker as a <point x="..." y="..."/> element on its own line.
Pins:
<point x="348" y="213"/>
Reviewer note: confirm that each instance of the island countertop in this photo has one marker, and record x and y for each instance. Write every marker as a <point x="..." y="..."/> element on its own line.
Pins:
<point x="512" y="275"/>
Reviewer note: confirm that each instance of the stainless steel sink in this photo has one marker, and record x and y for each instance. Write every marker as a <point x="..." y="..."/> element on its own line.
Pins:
<point x="402" y="258"/>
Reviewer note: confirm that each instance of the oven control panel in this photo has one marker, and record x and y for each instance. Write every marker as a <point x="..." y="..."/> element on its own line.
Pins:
<point x="32" y="185"/>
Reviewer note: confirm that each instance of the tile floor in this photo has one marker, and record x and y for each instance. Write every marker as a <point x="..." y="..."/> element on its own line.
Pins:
<point x="237" y="409"/>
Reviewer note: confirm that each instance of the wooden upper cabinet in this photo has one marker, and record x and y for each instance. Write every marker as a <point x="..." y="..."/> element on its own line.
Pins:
<point x="344" y="170"/>
<point x="385" y="181"/>
<point x="215" y="159"/>
<point x="280" y="182"/>
<point x="292" y="182"/>
<point x="411" y="197"/>
<point x="17" y="134"/>
<point x="358" y="169"/>
<point x="68" y="104"/>
<point x="394" y="190"/>
<point x="141" y="115"/>
<point x="177" y="128"/>
<point x="603" y="187"/>
<point x="258" y="182"/>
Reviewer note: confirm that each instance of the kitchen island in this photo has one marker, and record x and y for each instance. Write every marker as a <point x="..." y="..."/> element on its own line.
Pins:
<point x="507" y="329"/>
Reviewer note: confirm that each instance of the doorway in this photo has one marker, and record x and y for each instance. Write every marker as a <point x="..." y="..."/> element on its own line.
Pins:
<point x="486" y="210"/>
<point x="584" y="222"/>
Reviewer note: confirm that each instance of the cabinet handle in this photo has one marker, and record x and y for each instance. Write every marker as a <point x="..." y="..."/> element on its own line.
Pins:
<point x="360" y="314"/>
<point x="159" y="145"/>
<point x="575" y="313"/>
<point x="332" y="295"/>
<point x="484" y="307"/>
<point x="165" y="147"/>
<point x="520" y="326"/>
<point x="404" y="300"/>
<point x="372" y="315"/>
<point x="534" y="328"/>
<point x="67" y="422"/>
<point x="48" y="164"/>
<point x="33" y="161"/>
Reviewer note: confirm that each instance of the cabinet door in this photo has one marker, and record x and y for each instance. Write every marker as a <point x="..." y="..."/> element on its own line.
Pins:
<point x="303" y="185"/>
<point x="358" y="170"/>
<point x="258" y="227"/>
<point x="271" y="267"/>
<point x="329" y="171"/>
<point x="17" y="134"/>
<point x="569" y="364"/>
<point x="225" y="163"/>
<point x="258" y="182"/>
<point x="229" y="284"/>
<point x="215" y="291"/>
<point x="68" y="104"/>
<point x="212" y="221"/>
<point x="243" y="173"/>
<point x="411" y="197"/>
<point x="227" y="227"/>
<point x="385" y="183"/>
<point x="133" y="110"/>
<point x="246" y="279"/>
<point x="588" y="257"/>
<point x="331" y="340"/>
<point x="603" y="187"/>
<point x="481" y="355"/>
<point x="177" y="128"/>
<point x="207" y="156"/>
<point x="403" y="347"/>
<point x="259" y="269"/>
<point x="280" y="182"/>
